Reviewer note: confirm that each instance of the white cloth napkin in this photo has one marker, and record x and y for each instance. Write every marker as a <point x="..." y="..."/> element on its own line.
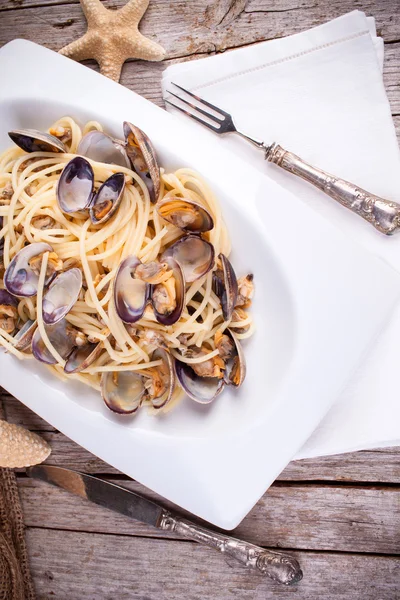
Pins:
<point x="320" y="94"/>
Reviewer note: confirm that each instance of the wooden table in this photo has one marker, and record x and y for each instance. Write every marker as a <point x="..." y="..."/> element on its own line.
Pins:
<point x="339" y="515"/>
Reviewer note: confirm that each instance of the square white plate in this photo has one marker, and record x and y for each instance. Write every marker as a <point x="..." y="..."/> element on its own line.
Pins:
<point x="320" y="300"/>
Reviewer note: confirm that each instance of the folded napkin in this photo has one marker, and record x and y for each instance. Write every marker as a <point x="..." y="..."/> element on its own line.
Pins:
<point x="320" y="94"/>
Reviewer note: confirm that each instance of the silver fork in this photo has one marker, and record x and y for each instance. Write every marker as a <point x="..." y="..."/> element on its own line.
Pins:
<point x="383" y="214"/>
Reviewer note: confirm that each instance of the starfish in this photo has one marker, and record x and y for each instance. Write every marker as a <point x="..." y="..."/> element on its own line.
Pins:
<point x="113" y="36"/>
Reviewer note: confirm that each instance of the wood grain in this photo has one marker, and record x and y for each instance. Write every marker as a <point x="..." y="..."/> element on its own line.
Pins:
<point x="69" y="566"/>
<point x="315" y="517"/>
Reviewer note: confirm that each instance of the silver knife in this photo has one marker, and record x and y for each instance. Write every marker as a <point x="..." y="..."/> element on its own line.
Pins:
<point x="280" y="567"/>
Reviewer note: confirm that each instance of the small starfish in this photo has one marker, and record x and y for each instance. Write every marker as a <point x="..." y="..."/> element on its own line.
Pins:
<point x="113" y="36"/>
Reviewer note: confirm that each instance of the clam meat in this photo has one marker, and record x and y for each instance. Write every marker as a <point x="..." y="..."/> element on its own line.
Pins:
<point x="185" y="214"/>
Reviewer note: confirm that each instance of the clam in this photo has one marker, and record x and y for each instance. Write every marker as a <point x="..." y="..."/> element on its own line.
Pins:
<point x="61" y="295"/>
<point x="20" y="278"/>
<point x="235" y="363"/>
<point x="31" y="140"/>
<point x="226" y="287"/>
<point x="8" y="311"/>
<point x="130" y="294"/>
<point x="102" y="148"/>
<point x="161" y="384"/>
<point x="143" y="158"/>
<point x="82" y="357"/>
<point x="122" y="391"/>
<point x="107" y="199"/>
<point x="168" y="298"/>
<point x="194" y="255"/>
<point x="25" y="335"/>
<point x="75" y="186"/>
<point x="61" y="335"/>
<point x="185" y="214"/>
<point x="200" y="389"/>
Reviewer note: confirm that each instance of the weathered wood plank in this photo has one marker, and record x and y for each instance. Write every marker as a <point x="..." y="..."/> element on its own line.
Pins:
<point x="72" y="566"/>
<point x="290" y="516"/>
<point x="185" y="28"/>
<point x="223" y="23"/>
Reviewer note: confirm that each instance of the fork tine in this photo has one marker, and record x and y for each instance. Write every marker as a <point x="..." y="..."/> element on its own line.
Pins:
<point x="200" y="110"/>
<point x="189" y="114"/>
<point x="218" y="110"/>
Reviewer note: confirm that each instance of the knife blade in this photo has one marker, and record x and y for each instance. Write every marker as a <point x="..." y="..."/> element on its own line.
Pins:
<point x="277" y="565"/>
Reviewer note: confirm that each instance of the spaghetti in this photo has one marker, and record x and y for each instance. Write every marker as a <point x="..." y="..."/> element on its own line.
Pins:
<point x="31" y="214"/>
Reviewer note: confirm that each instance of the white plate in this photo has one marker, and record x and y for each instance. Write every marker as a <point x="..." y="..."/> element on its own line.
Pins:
<point x="320" y="300"/>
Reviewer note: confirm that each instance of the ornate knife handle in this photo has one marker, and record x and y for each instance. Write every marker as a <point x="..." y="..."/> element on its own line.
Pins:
<point x="382" y="214"/>
<point x="280" y="567"/>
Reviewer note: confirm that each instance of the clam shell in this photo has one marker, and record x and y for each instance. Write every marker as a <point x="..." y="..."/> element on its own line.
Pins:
<point x="75" y="186"/>
<point x="61" y="295"/>
<point x="25" y="335"/>
<point x="130" y="295"/>
<point x="100" y="147"/>
<point x="61" y="338"/>
<point x="227" y="290"/>
<point x="122" y="391"/>
<point x="185" y="214"/>
<point x="8" y="299"/>
<point x="19" y="279"/>
<point x="235" y="371"/>
<point x="107" y="199"/>
<point x="171" y="318"/>
<point x="200" y="389"/>
<point x="165" y="356"/>
<point x="194" y="255"/>
<point x="143" y="158"/>
<point x="31" y="140"/>
<point x="82" y="357"/>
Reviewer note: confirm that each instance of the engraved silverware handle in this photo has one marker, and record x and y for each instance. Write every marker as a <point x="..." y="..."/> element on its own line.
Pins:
<point x="280" y="567"/>
<point x="382" y="214"/>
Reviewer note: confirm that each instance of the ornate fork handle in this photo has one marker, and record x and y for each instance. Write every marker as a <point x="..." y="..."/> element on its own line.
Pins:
<point x="382" y="214"/>
<point x="280" y="567"/>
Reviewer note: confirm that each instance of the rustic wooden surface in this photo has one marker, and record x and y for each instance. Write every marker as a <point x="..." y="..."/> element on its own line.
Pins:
<point x="339" y="515"/>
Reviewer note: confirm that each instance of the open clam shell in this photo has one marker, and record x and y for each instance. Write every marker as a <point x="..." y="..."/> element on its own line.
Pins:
<point x="194" y="255"/>
<point x="25" y="335"/>
<point x="165" y="315"/>
<point x="130" y="295"/>
<point x="185" y="214"/>
<point x="61" y="295"/>
<point x="143" y="158"/>
<point x="122" y="391"/>
<point x="61" y="336"/>
<point x="31" y="140"/>
<point x="75" y="186"/>
<point x="19" y="278"/>
<point x="101" y="147"/>
<point x="82" y="357"/>
<point x="107" y="199"/>
<point x="200" y="389"/>
<point x="226" y="288"/>
<point x="235" y="371"/>
<point x="167" y="374"/>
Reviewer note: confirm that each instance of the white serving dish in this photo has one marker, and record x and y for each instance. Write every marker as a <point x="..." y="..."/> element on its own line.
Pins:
<point x="320" y="301"/>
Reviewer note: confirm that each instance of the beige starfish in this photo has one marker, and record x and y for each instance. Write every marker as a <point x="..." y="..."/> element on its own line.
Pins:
<point x="20" y="447"/>
<point x="113" y="36"/>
